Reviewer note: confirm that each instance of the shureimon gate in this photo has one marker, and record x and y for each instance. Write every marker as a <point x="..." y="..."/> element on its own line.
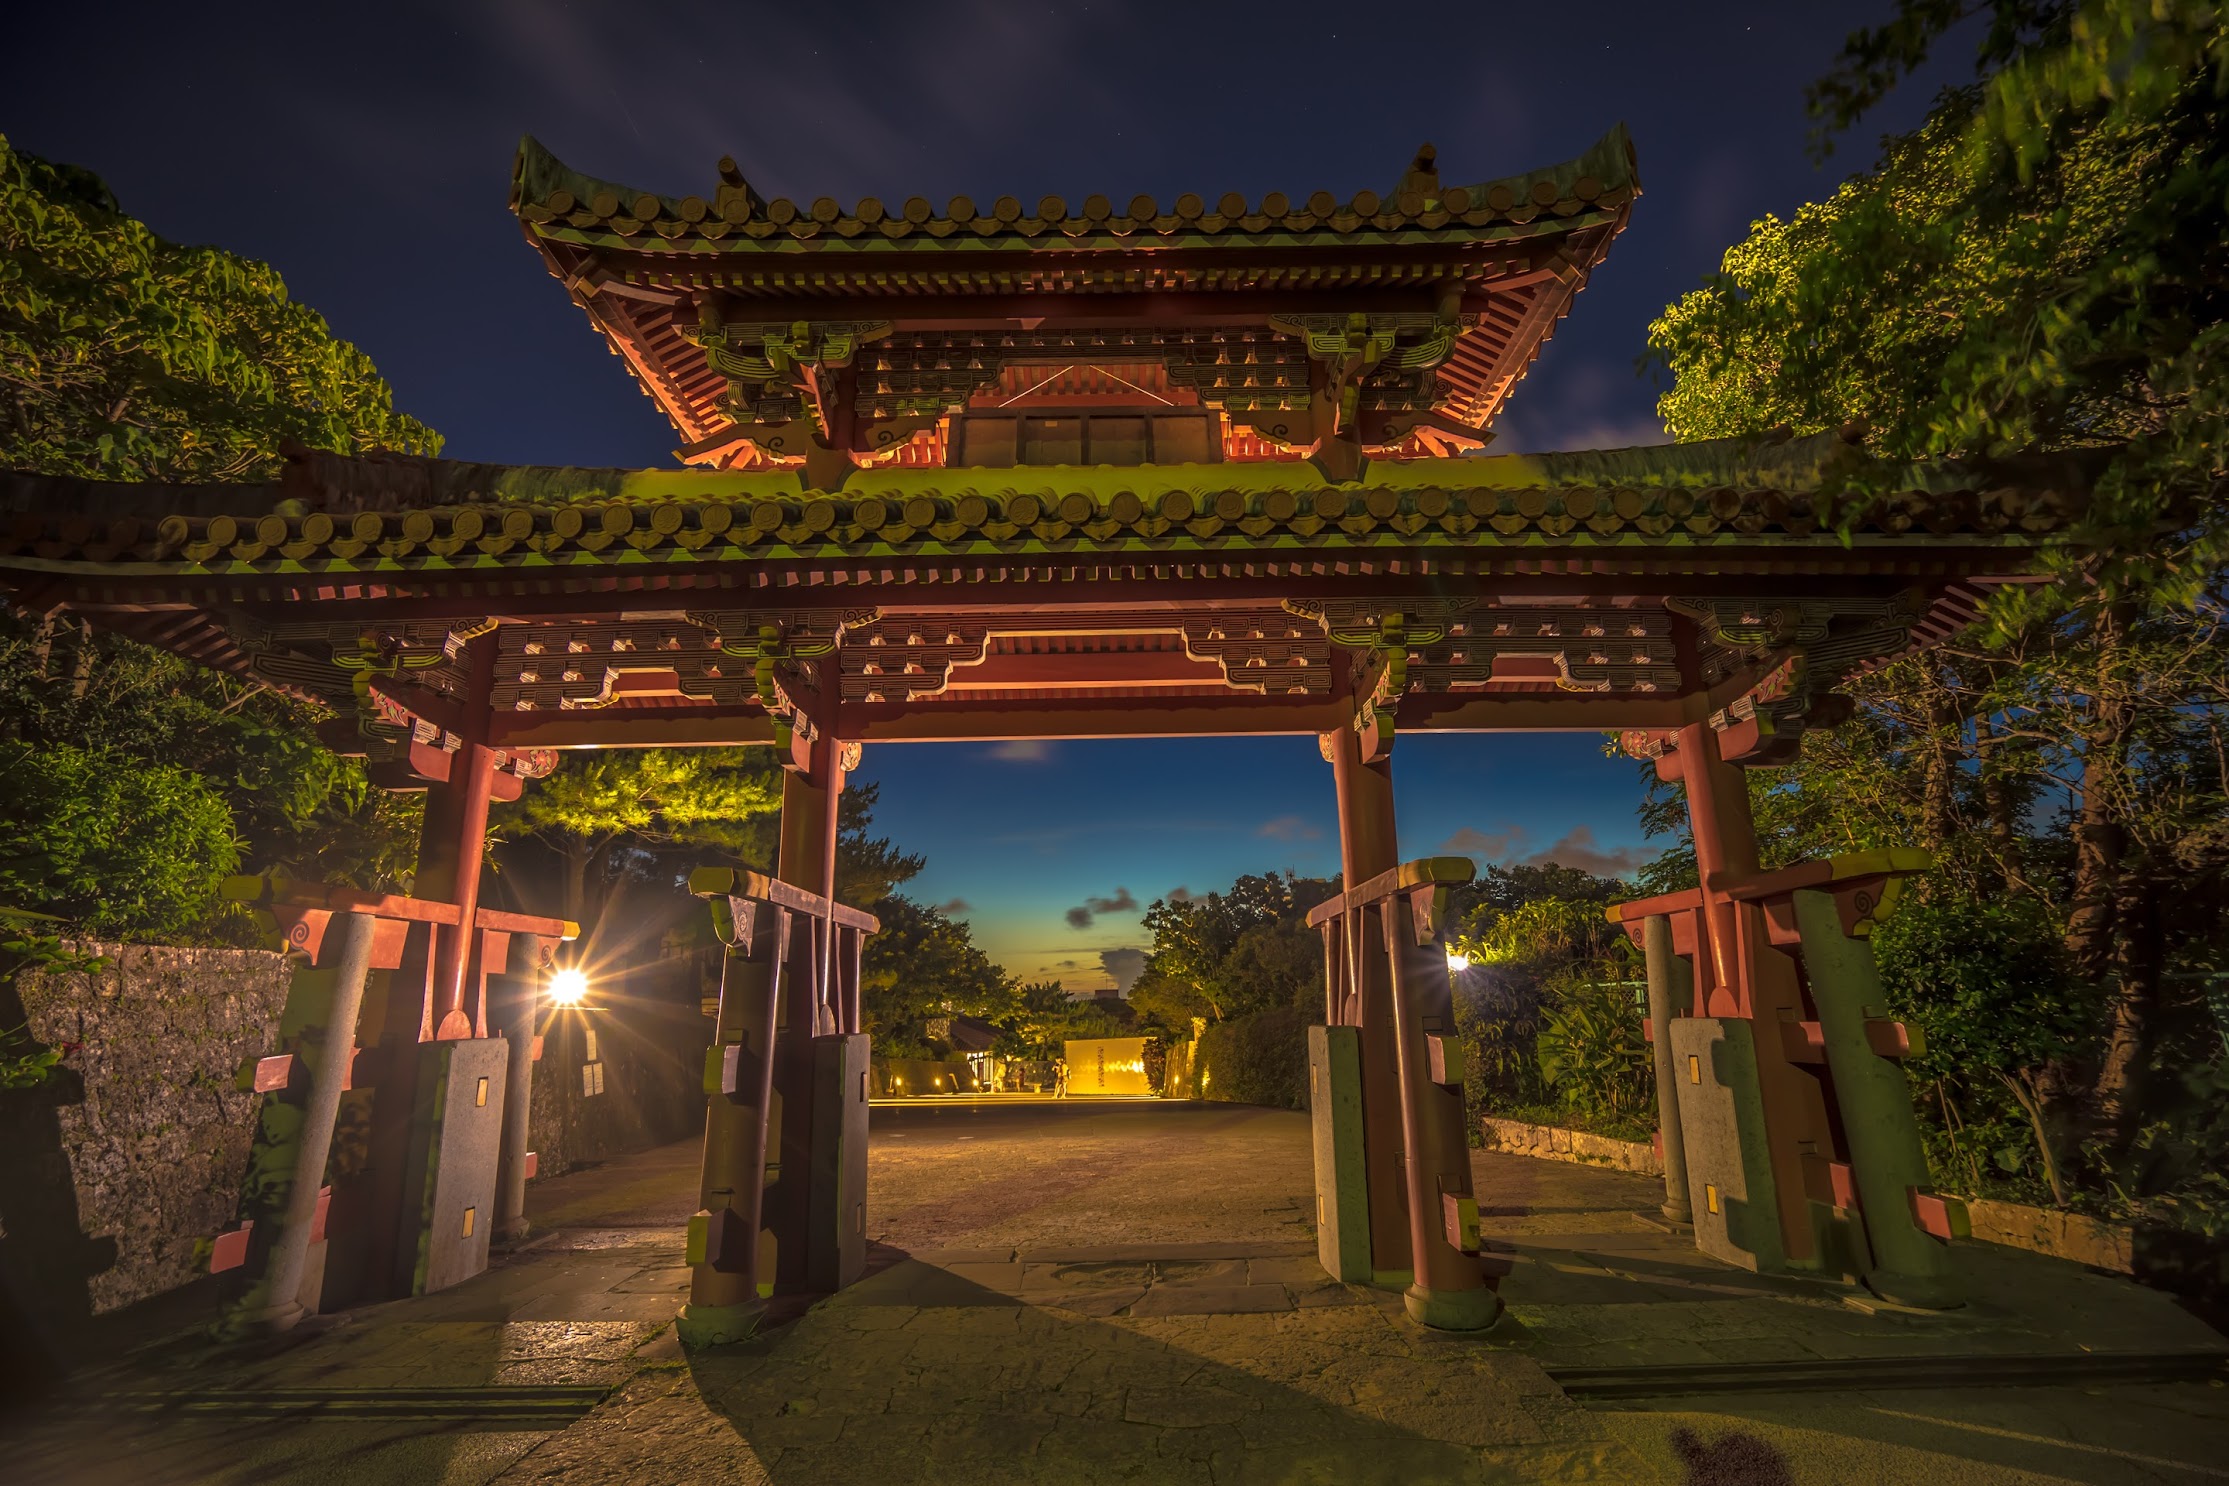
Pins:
<point x="1056" y="472"/>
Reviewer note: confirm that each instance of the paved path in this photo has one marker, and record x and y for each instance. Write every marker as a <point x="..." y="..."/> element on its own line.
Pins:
<point x="1106" y="1292"/>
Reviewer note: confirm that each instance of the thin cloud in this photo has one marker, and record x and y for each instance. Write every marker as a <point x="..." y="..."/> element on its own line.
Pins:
<point x="1081" y="916"/>
<point x="953" y="907"/>
<point x="1576" y="848"/>
<point x="1178" y="894"/>
<point x="1022" y="751"/>
<point x="1487" y="846"/>
<point x="1579" y="849"/>
<point x="1290" y="828"/>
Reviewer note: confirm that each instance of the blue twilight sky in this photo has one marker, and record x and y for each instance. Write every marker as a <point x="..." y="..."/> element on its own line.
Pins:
<point x="365" y="151"/>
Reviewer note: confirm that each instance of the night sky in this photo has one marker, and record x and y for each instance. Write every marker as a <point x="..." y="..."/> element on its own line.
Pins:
<point x="365" y="151"/>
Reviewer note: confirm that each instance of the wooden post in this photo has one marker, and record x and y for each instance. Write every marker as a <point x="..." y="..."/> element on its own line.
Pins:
<point x="1888" y="1165"/>
<point x="1449" y="1290"/>
<point x="472" y="778"/>
<point x="1725" y="852"/>
<point x="800" y="1144"/>
<point x="1671" y="994"/>
<point x="273" y="1302"/>
<point x="1367" y="847"/>
<point x="726" y="1292"/>
<point x="519" y="1008"/>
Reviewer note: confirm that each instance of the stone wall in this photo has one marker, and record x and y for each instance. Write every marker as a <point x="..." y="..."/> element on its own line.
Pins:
<point x="2041" y="1230"/>
<point x="1551" y="1143"/>
<point x="113" y="1171"/>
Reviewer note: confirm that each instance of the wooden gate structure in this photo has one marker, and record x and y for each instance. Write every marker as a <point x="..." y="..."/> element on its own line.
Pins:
<point x="1118" y="470"/>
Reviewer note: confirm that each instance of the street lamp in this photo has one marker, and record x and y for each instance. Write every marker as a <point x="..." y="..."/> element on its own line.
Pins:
<point x="1458" y="961"/>
<point x="568" y="986"/>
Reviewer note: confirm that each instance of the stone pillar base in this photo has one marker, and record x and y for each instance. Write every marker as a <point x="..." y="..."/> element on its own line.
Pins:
<point x="1923" y="1292"/>
<point x="266" y="1321"/>
<point x="1452" y="1310"/>
<point x="720" y="1325"/>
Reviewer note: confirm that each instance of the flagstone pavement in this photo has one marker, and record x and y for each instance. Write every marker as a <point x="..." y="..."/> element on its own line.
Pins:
<point x="1127" y="1292"/>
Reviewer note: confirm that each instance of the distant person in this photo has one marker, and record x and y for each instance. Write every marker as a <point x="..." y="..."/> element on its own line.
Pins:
<point x="1060" y="1078"/>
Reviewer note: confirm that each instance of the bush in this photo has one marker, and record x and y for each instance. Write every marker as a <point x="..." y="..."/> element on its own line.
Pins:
<point x="1989" y="987"/>
<point x="119" y="846"/>
<point x="1257" y="1059"/>
<point x="1592" y="1050"/>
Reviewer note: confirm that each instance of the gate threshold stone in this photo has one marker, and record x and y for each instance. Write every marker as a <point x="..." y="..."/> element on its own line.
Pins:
<point x="1116" y="1280"/>
<point x="1146" y="1253"/>
<point x="1885" y="1373"/>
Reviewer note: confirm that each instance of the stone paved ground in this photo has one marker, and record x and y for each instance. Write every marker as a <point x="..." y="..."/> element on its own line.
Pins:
<point x="1092" y="1292"/>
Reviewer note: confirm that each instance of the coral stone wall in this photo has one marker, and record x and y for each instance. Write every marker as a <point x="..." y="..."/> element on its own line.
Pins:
<point x="1552" y="1143"/>
<point x="112" y="1171"/>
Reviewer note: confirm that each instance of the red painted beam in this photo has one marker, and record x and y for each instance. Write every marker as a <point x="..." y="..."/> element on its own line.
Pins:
<point x="1089" y="668"/>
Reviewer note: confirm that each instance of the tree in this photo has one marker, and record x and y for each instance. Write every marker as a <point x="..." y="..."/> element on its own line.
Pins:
<point x="1228" y="954"/>
<point x="126" y="357"/>
<point x="2044" y="264"/>
<point x="1533" y="945"/>
<point x="923" y="965"/>
<point x="123" y="356"/>
<point x="140" y="851"/>
<point x="705" y="799"/>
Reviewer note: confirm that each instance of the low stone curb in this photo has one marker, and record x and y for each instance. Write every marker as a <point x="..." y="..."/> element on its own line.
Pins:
<point x="1553" y="1143"/>
<point x="2040" y="1230"/>
<point x="2070" y="1236"/>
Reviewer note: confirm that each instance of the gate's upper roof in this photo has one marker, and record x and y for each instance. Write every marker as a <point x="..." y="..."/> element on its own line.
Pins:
<point x="927" y="303"/>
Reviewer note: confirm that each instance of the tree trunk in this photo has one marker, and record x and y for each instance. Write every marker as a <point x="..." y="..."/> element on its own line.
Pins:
<point x="2101" y="836"/>
<point x="2004" y="830"/>
<point x="2133" y="1013"/>
<point x="582" y="855"/>
<point x="2108" y="906"/>
<point x="1938" y="820"/>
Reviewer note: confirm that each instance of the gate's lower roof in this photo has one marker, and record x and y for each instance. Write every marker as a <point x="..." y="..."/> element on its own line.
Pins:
<point x="1633" y="588"/>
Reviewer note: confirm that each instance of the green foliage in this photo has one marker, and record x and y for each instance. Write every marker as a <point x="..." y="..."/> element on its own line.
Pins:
<point x="2045" y="263"/>
<point x="2042" y="265"/>
<point x="924" y="965"/>
<point x="1258" y="1058"/>
<point x="126" y="357"/>
<point x="140" y="848"/>
<point x="24" y="1064"/>
<point x="1040" y="1016"/>
<point x="1988" y="985"/>
<point x="1530" y="934"/>
<point x="1592" y="1050"/>
<point x="701" y="796"/>
<point x="1229" y="954"/>
<point x="294" y="808"/>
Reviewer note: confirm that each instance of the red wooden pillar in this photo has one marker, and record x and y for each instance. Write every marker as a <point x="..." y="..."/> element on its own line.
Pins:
<point x="1725" y="853"/>
<point x="1367" y="847"/>
<point x="799" y="1140"/>
<point x="471" y="779"/>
